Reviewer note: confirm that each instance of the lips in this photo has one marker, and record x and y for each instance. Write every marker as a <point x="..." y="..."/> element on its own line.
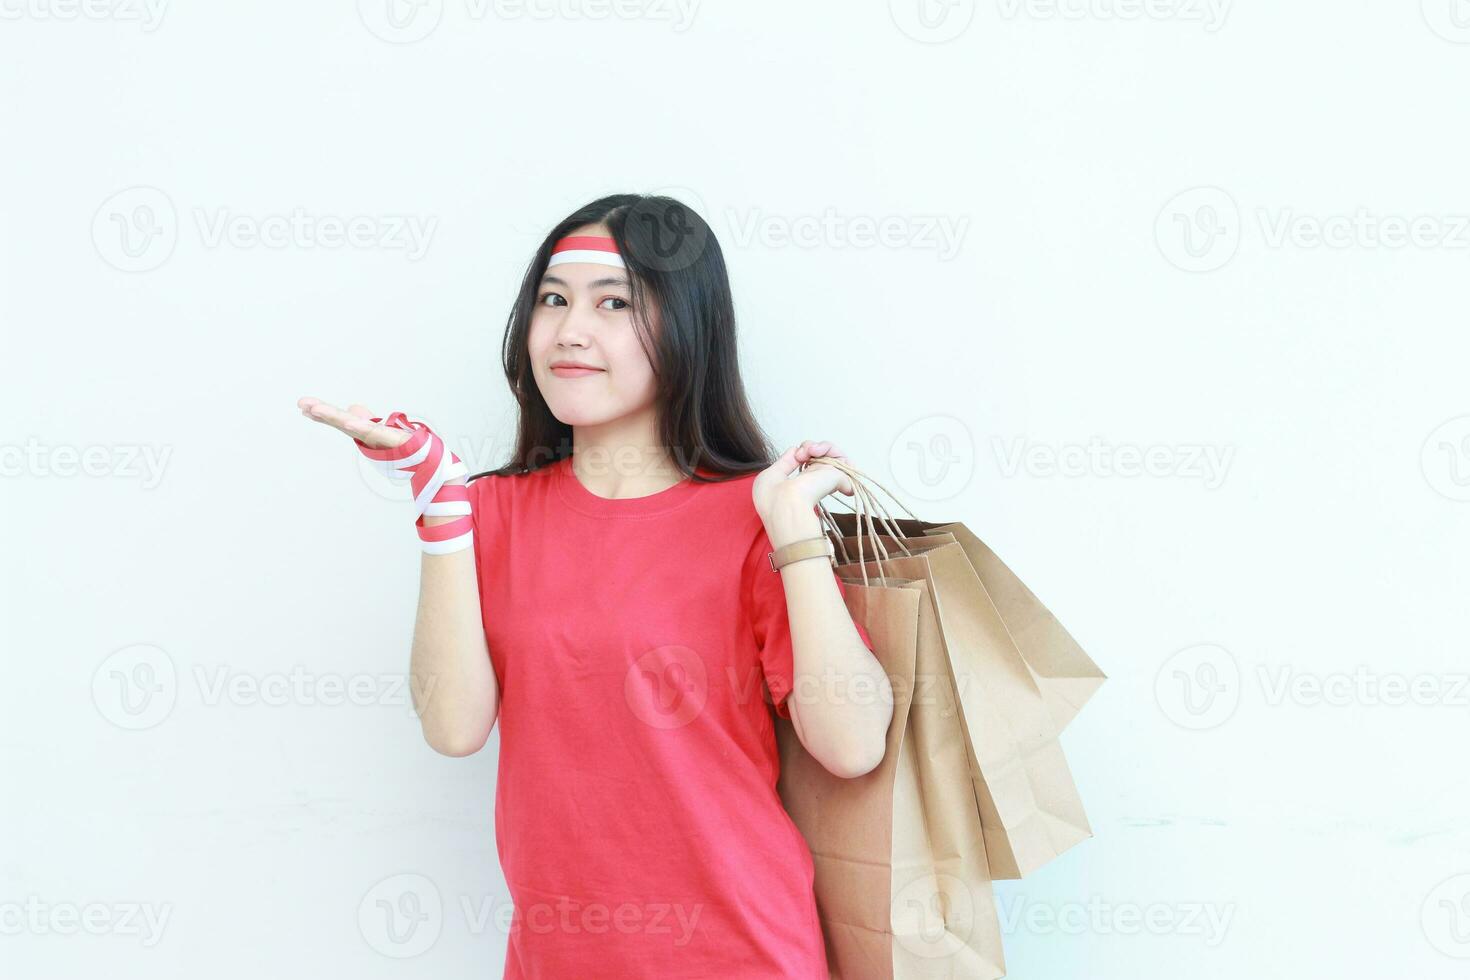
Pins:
<point x="567" y="371"/>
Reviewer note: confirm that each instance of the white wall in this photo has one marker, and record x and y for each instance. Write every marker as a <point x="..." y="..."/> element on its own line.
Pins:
<point x="1038" y="169"/>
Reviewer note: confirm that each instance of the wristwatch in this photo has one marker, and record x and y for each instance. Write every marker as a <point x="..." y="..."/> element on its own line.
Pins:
<point x="800" y="550"/>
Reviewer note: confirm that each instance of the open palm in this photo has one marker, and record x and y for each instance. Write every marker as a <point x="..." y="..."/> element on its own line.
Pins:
<point x="356" y="421"/>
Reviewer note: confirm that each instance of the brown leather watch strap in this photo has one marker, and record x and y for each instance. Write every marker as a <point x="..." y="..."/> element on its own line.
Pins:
<point x="799" y="550"/>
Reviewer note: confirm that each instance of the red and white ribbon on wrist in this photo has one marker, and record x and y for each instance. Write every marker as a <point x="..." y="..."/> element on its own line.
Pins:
<point x="427" y="463"/>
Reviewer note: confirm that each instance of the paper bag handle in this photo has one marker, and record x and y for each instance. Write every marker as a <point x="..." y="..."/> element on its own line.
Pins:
<point x="865" y="500"/>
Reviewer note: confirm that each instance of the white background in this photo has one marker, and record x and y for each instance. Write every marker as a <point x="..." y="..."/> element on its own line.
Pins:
<point x="1131" y="193"/>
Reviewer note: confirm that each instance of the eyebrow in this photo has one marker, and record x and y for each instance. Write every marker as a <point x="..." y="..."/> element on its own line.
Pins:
<point x="594" y="284"/>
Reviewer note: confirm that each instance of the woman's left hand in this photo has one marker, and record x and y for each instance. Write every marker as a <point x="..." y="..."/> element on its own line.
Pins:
<point x="787" y="504"/>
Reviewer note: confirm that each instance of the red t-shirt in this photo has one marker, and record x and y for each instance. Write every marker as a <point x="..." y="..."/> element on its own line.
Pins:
<point x="636" y="814"/>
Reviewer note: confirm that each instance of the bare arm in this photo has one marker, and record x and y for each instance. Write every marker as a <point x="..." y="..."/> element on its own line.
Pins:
<point x="454" y="688"/>
<point x="452" y="680"/>
<point x="844" y="725"/>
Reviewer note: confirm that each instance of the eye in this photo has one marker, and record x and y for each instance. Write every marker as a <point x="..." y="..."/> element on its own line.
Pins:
<point x="617" y="299"/>
<point x="541" y="300"/>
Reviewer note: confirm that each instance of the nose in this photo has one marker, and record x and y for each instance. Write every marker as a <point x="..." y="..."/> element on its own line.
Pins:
<point x="574" y="327"/>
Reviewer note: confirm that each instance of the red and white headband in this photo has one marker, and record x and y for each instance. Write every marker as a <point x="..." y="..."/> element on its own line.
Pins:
<point x="586" y="248"/>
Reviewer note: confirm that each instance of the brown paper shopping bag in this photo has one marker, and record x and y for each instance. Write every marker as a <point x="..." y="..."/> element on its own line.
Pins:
<point x="901" y="882"/>
<point x="1030" y="809"/>
<point x="1065" y="674"/>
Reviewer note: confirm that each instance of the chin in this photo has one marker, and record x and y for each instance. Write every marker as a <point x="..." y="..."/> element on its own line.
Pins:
<point x="581" y="414"/>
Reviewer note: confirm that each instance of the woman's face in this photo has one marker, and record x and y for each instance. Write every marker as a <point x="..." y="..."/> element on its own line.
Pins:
<point x="584" y="313"/>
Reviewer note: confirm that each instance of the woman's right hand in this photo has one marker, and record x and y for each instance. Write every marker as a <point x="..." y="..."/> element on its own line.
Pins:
<point x="356" y="421"/>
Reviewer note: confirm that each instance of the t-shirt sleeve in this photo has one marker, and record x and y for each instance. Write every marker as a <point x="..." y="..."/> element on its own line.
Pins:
<point x="485" y="518"/>
<point x="763" y="595"/>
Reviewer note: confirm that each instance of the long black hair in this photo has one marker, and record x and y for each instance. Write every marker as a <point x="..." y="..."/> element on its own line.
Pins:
<point x="704" y="418"/>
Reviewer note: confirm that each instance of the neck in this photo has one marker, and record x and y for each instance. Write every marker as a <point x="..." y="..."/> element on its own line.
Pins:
<point x="623" y="457"/>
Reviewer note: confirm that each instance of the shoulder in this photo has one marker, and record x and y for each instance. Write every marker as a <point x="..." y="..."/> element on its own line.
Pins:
<point x="743" y="524"/>
<point x="733" y="497"/>
<point x="506" y="480"/>
<point x="484" y="486"/>
<point x="494" y="491"/>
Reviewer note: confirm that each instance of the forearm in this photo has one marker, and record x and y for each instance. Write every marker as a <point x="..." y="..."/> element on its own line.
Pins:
<point x="454" y="688"/>
<point x="841" y="701"/>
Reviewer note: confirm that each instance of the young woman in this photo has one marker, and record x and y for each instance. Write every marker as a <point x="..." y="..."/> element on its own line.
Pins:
<point x="628" y="581"/>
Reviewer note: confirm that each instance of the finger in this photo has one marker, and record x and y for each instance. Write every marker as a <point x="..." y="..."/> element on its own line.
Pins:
<point x="370" y="433"/>
<point x="323" y="412"/>
<point x="844" y="484"/>
<point x="828" y="478"/>
<point x="787" y="462"/>
<point x="308" y="405"/>
<point x="827" y="450"/>
<point x="332" y="415"/>
<point x="374" y="434"/>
